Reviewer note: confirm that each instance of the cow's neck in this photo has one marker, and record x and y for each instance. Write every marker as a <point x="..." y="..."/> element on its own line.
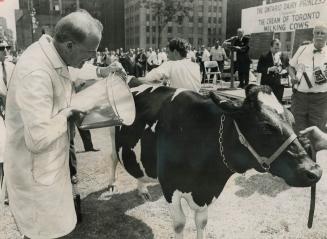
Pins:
<point x="237" y="156"/>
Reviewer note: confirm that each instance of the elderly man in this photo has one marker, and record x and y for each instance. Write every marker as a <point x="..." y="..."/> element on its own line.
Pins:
<point x="37" y="145"/>
<point x="240" y="44"/>
<point x="178" y="71"/>
<point x="308" y="74"/>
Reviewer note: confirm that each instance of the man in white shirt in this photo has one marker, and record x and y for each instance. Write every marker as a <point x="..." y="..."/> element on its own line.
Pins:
<point x="162" y="56"/>
<point x="178" y="71"/>
<point x="308" y="75"/>
<point x="152" y="59"/>
<point x="218" y="54"/>
<point x="205" y="56"/>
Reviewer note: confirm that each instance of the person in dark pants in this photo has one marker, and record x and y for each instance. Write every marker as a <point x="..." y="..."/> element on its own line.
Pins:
<point x="270" y="66"/>
<point x="240" y="44"/>
<point x="140" y="63"/>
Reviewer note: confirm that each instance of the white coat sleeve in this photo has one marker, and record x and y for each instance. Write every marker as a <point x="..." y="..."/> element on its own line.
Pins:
<point x="35" y="100"/>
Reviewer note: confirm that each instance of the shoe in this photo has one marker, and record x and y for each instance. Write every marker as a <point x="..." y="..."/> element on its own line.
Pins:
<point x="92" y="150"/>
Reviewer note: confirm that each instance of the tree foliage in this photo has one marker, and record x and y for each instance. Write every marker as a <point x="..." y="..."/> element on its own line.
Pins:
<point x="168" y="11"/>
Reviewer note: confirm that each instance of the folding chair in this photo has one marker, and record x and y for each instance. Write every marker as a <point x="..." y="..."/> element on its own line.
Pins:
<point x="209" y="67"/>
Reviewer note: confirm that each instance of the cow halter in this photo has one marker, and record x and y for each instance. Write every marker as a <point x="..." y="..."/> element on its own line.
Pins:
<point x="262" y="160"/>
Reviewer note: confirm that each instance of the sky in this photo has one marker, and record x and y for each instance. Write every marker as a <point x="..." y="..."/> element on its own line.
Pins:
<point x="7" y="10"/>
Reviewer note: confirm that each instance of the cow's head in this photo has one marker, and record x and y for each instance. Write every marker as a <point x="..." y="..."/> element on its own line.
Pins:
<point x="266" y="125"/>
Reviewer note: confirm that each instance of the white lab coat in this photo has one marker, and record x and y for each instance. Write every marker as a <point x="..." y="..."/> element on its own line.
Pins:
<point x="37" y="146"/>
<point x="3" y="91"/>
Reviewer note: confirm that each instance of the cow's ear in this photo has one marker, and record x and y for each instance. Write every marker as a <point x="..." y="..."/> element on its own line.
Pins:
<point x="227" y="106"/>
<point x="249" y="88"/>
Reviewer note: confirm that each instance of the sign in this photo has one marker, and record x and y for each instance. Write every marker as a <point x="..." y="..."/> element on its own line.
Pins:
<point x="284" y="16"/>
<point x="259" y="44"/>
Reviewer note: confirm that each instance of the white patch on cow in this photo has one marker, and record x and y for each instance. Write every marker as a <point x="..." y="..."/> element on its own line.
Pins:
<point x="137" y="151"/>
<point x="120" y="154"/>
<point x="177" y="92"/>
<point x="271" y="101"/>
<point x="189" y="199"/>
<point x="153" y="127"/>
<point x="155" y="87"/>
<point x="141" y="88"/>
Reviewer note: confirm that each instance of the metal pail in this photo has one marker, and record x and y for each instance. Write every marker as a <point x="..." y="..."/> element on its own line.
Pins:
<point x="107" y="102"/>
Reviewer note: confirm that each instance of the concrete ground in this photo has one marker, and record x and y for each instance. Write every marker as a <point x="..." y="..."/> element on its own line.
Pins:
<point x="253" y="206"/>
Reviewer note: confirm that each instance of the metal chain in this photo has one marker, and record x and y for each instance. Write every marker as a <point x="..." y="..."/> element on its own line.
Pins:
<point x="221" y="147"/>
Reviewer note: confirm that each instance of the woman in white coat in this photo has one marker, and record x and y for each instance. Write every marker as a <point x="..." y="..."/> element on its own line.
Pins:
<point x="37" y="145"/>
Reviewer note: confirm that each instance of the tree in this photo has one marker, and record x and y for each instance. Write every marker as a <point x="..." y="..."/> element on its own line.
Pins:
<point x="168" y="11"/>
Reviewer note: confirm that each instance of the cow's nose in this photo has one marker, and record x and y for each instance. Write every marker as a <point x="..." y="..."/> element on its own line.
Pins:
<point x="314" y="174"/>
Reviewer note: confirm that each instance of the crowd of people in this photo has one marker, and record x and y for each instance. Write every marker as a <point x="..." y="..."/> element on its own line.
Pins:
<point x="38" y="154"/>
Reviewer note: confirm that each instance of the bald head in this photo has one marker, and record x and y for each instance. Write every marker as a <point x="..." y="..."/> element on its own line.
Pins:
<point x="77" y="37"/>
<point x="76" y="27"/>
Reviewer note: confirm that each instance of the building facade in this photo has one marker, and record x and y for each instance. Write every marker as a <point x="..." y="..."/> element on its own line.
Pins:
<point x="36" y="17"/>
<point x="5" y="32"/>
<point x="205" y="23"/>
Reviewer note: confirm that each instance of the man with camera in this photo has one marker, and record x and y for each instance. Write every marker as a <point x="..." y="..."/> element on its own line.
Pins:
<point x="272" y="66"/>
<point x="308" y="75"/>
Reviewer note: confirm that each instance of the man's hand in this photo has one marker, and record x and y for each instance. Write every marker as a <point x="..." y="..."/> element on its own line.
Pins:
<point x="273" y="69"/>
<point x="115" y="67"/>
<point x="67" y="112"/>
<point x="316" y="136"/>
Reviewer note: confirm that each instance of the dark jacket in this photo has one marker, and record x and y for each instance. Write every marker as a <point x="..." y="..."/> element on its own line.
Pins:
<point x="243" y="60"/>
<point x="266" y="61"/>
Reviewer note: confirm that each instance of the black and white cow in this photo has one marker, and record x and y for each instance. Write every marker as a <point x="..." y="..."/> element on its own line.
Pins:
<point x="194" y="143"/>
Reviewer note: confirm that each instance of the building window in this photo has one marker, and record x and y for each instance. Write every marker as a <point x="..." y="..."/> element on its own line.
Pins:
<point x="148" y="40"/>
<point x="220" y="20"/>
<point x="209" y="31"/>
<point x="215" y="9"/>
<point x="147" y="28"/>
<point x="288" y="36"/>
<point x="170" y="29"/>
<point x="220" y="9"/>
<point x="214" y="20"/>
<point x="210" y="8"/>
<point x="209" y="19"/>
<point x="190" y="18"/>
<point x="200" y="19"/>
<point x="153" y="40"/>
<point x="153" y="17"/>
<point x="200" y="8"/>
<point x="147" y="17"/>
<point x="180" y="19"/>
<point x="180" y="30"/>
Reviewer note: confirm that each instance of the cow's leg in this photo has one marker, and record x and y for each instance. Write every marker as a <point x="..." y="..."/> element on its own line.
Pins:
<point x="201" y="219"/>
<point x="143" y="190"/>
<point x="113" y="161"/>
<point x="177" y="215"/>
